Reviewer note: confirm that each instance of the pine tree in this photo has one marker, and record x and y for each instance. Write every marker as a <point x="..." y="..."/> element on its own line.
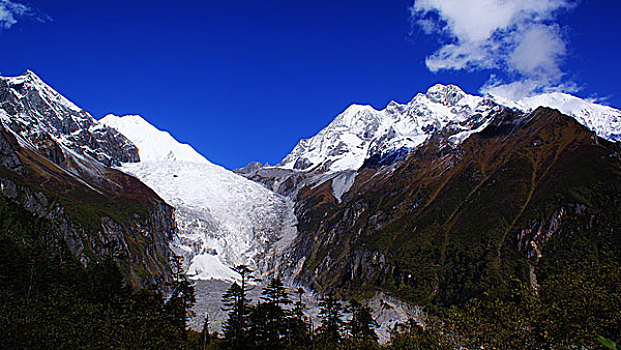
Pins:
<point x="299" y="306"/>
<point x="245" y="274"/>
<point x="329" y="331"/>
<point x="234" y="326"/>
<point x="276" y="293"/>
<point x="299" y="335"/>
<point x="182" y="295"/>
<point x="268" y="320"/>
<point x="362" y="324"/>
<point x="205" y="333"/>
<point x="236" y="303"/>
<point x="268" y="326"/>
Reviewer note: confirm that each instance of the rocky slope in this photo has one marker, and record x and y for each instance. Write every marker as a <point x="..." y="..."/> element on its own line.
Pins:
<point x="55" y="163"/>
<point x="444" y="223"/>
<point x="429" y="202"/>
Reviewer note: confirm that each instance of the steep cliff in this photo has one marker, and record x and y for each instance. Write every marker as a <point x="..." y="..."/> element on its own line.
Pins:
<point x="55" y="162"/>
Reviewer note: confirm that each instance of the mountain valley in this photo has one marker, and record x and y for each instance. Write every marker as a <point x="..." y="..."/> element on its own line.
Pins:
<point x="412" y="209"/>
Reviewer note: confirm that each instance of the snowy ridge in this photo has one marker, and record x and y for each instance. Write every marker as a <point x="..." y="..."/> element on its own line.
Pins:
<point x="155" y="145"/>
<point x="39" y="115"/>
<point x="603" y="120"/>
<point x="362" y="131"/>
<point x="223" y="218"/>
<point x="54" y="100"/>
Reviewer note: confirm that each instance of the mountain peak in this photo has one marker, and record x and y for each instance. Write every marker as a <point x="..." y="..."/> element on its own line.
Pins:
<point x="448" y="95"/>
<point x="27" y="77"/>
<point x="153" y="144"/>
<point x="223" y="219"/>
<point x="40" y="115"/>
<point x="357" y="108"/>
<point x="31" y="74"/>
<point x="361" y="131"/>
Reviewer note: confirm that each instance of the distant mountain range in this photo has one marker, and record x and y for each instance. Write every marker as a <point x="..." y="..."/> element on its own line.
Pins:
<point x="428" y="202"/>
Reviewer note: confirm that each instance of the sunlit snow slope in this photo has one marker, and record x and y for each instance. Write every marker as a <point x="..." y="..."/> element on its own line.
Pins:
<point x="361" y="131"/>
<point x="603" y="120"/>
<point x="223" y="218"/>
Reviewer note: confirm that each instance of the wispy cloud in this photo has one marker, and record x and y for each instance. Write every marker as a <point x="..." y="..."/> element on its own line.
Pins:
<point x="517" y="37"/>
<point x="12" y="11"/>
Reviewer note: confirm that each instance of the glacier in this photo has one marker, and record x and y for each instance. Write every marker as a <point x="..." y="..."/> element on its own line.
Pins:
<point x="223" y="219"/>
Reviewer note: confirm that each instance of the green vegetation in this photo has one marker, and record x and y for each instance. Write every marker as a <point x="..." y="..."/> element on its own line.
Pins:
<point x="447" y="225"/>
<point x="272" y="324"/>
<point x="577" y="309"/>
<point x="49" y="300"/>
<point x="567" y="312"/>
<point x="509" y="244"/>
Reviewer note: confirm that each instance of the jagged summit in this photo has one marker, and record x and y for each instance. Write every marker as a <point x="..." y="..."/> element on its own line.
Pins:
<point x="448" y="95"/>
<point x="38" y="115"/>
<point x="605" y="121"/>
<point x="55" y="162"/>
<point x="361" y="131"/>
<point x="29" y="81"/>
<point x="223" y="218"/>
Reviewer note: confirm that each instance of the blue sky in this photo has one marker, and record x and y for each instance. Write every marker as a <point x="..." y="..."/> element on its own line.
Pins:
<point x="245" y="80"/>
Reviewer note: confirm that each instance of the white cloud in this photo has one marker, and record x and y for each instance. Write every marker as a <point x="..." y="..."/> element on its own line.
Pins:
<point x="11" y="11"/>
<point x="525" y="87"/>
<point x="538" y="52"/>
<point x="518" y="37"/>
<point x="513" y="91"/>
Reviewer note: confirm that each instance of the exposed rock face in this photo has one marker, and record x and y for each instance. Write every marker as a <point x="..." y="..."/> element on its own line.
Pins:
<point x="39" y="114"/>
<point x="361" y="133"/>
<point x="54" y="162"/>
<point x="439" y="199"/>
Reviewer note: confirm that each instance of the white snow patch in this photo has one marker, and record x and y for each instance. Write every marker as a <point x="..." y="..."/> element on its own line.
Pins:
<point x="362" y="131"/>
<point x="605" y="121"/>
<point x="209" y="267"/>
<point x="342" y="183"/>
<point x="153" y="144"/>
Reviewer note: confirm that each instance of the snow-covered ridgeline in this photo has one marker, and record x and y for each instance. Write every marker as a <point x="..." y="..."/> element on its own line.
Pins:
<point x="605" y="121"/>
<point x="362" y="131"/>
<point x="38" y="114"/>
<point x="223" y="218"/>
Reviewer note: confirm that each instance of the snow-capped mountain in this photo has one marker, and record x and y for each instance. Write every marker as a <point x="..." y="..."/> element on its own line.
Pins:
<point x="223" y="218"/>
<point x="605" y="121"/>
<point x="363" y="134"/>
<point x="37" y="114"/>
<point x="44" y="121"/>
<point x="55" y="163"/>
<point x="362" y="131"/>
